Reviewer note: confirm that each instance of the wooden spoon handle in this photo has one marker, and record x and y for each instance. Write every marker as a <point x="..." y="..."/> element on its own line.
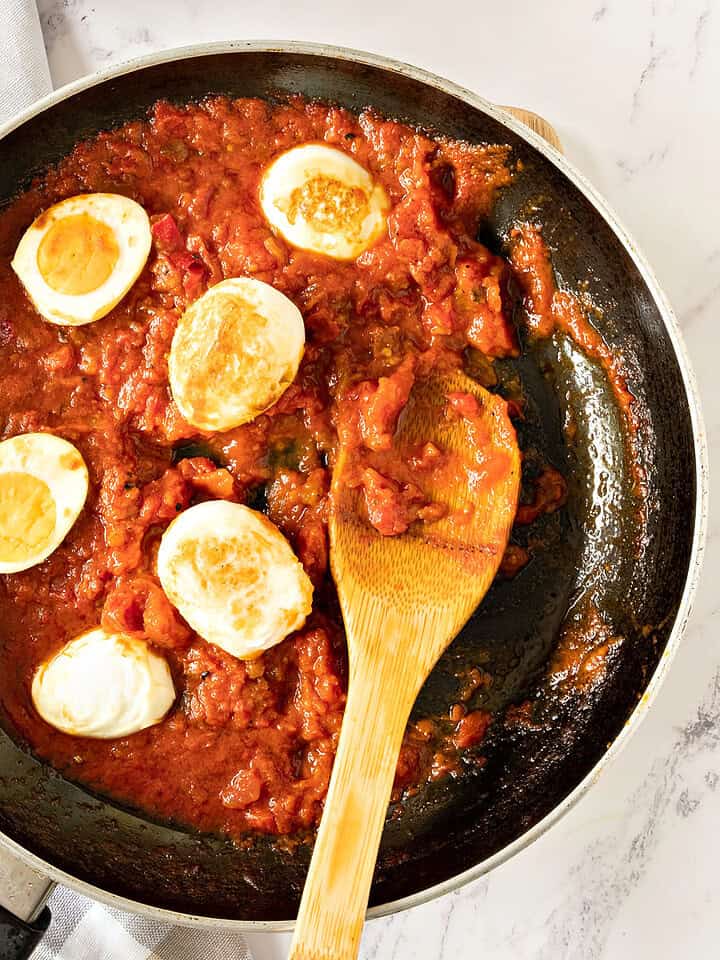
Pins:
<point x="337" y="888"/>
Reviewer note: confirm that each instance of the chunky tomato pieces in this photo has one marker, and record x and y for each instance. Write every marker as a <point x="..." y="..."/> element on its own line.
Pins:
<point x="249" y="745"/>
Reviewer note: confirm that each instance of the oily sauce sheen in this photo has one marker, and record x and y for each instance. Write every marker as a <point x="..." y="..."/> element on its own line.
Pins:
<point x="248" y="744"/>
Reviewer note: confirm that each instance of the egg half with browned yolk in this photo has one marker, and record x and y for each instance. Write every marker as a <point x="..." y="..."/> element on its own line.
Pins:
<point x="321" y="199"/>
<point x="234" y="577"/>
<point x="234" y="353"/>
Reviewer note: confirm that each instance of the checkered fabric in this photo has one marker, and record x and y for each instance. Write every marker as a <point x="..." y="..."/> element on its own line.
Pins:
<point x="84" y="930"/>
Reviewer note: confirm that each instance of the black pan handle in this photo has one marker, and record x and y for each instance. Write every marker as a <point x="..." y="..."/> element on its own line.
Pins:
<point x="23" y="892"/>
<point x="18" y="939"/>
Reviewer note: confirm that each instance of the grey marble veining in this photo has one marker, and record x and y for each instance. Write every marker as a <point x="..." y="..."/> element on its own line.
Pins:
<point x="632" y="88"/>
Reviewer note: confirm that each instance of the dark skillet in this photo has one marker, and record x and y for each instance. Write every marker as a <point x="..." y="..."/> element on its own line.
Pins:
<point x="640" y="573"/>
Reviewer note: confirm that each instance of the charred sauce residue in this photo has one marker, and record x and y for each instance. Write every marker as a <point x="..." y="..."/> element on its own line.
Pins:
<point x="578" y="666"/>
<point x="548" y="309"/>
<point x="581" y="657"/>
<point x="250" y="745"/>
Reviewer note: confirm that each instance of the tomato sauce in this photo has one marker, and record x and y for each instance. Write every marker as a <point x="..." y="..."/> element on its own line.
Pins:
<point x="549" y="309"/>
<point x="248" y="745"/>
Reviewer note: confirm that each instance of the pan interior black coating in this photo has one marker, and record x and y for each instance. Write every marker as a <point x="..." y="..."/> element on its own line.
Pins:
<point x="633" y="568"/>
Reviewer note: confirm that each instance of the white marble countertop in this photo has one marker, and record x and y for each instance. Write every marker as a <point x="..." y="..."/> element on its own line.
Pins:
<point x="631" y="86"/>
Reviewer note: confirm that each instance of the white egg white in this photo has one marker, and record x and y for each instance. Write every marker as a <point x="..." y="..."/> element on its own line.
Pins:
<point x="233" y="577"/>
<point x="103" y="685"/>
<point x="130" y="227"/>
<point x="235" y="351"/>
<point x="43" y="487"/>
<point x="321" y="199"/>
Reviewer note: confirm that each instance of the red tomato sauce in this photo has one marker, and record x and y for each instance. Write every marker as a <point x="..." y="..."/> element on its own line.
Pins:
<point x="248" y="745"/>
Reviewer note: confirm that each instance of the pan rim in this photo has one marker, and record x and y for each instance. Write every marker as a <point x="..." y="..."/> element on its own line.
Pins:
<point x="670" y="322"/>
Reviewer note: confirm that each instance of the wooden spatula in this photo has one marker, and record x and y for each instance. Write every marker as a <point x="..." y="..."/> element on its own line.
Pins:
<point x="403" y="598"/>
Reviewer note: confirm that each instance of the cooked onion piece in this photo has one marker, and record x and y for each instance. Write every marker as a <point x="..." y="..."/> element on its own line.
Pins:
<point x="233" y="577"/>
<point x="79" y="258"/>
<point x="43" y="486"/>
<point x="103" y="685"/>
<point x="321" y="199"/>
<point x="235" y="352"/>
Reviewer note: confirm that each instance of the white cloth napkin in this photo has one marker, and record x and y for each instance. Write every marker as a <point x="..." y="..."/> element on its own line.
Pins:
<point x="82" y="929"/>
<point x="24" y="71"/>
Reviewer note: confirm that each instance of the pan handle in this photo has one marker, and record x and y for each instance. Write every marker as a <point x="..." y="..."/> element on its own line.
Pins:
<point x="24" y="918"/>
<point x="18" y="939"/>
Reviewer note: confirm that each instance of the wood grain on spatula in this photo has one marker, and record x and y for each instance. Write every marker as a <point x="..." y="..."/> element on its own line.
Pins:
<point x="404" y="598"/>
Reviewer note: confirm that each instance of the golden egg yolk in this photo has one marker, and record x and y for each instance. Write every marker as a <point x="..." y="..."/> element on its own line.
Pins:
<point x="77" y="254"/>
<point x="210" y="339"/>
<point x="27" y="516"/>
<point x="327" y="204"/>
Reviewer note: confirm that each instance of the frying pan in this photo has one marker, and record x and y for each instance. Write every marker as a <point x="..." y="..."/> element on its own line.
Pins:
<point x="639" y="566"/>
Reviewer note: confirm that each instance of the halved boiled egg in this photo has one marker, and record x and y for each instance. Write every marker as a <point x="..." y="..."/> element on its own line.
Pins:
<point x="43" y="486"/>
<point x="233" y="577"/>
<point x="321" y="199"/>
<point x="234" y="353"/>
<point x="80" y="257"/>
<point x="103" y="685"/>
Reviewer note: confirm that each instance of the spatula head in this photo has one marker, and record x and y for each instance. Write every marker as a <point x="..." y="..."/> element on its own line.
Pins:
<point x="436" y="573"/>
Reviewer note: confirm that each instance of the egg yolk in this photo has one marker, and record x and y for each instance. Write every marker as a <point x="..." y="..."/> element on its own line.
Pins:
<point x="223" y="568"/>
<point x="27" y="516"/>
<point x="328" y="205"/>
<point x="212" y="351"/>
<point x="77" y="254"/>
